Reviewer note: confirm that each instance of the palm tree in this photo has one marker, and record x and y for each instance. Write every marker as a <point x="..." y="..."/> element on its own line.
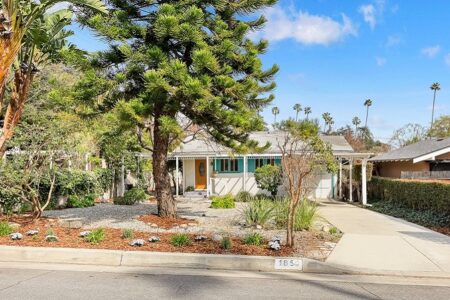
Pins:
<point x="16" y="19"/>
<point x="434" y="87"/>
<point x="297" y="108"/>
<point x="275" y="112"/>
<point x="328" y="119"/>
<point x="367" y="103"/>
<point x="356" y="121"/>
<point x="307" y="111"/>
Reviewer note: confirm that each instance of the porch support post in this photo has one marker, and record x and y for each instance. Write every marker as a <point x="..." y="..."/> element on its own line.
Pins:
<point x="340" y="179"/>
<point x="122" y="178"/>
<point x="207" y="177"/>
<point x="184" y="177"/>
<point x="364" y="181"/>
<point x="351" y="181"/>
<point x="244" y="185"/>
<point x="177" y="177"/>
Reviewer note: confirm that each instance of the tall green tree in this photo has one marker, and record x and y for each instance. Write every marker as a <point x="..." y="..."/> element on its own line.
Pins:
<point x="190" y="60"/>
<point x="328" y="120"/>
<point x="275" y="112"/>
<point x="434" y="87"/>
<point x="367" y="104"/>
<point x="298" y="108"/>
<point x="441" y="127"/>
<point x="356" y="121"/>
<point x="307" y="111"/>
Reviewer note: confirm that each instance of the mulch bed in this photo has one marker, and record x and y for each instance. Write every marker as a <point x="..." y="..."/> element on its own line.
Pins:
<point x="69" y="238"/>
<point x="443" y="230"/>
<point x="165" y="223"/>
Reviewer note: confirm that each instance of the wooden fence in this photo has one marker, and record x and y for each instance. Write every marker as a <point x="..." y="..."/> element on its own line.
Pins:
<point x="425" y="175"/>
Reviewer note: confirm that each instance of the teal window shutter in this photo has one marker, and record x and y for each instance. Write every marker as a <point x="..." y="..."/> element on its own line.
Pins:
<point x="251" y="165"/>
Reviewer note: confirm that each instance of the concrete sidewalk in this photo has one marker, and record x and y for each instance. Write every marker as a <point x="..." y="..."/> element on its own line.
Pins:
<point x="379" y="242"/>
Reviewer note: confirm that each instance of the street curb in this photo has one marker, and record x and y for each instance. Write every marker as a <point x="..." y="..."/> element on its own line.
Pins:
<point x="117" y="258"/>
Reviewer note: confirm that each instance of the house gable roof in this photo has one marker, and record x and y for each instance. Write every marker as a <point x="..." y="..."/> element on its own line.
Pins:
<point x="413" y="151"/>
<point x="205" y="146"/>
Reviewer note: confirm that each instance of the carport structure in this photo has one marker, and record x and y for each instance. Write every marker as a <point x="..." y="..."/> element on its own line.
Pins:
<point x="347" y="161"/>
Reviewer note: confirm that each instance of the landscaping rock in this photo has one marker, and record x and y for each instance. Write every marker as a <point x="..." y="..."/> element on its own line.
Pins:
<point x="71" y="223"/>
<point x="184" y="226"/>
<point x="154" y="239"/>
<point x="84" y="234"/>
<point x="32" y="232"/>
<point x="200" y="238"/>
<point x="258" y="227"/>
<point x="51" y="238"/>
<point x="154" y="225"/>
<point x="275" y="243"/>
<point x="217" y="237"/>
<point x="326" y="228"/>
<point x="137" y="243"/>
<point x="16" y="236"/>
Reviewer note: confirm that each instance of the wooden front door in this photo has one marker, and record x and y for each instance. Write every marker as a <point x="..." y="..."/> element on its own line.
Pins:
<point x="200" y="174"/>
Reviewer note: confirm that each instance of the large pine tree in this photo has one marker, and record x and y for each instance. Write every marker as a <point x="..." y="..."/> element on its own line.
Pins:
<point x="190" y="58"/>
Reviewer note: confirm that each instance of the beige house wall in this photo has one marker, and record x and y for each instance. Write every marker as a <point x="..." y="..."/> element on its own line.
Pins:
<point x="393" y="169"/>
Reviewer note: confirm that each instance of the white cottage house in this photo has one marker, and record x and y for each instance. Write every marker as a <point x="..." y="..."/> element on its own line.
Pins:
<point x="211" y="169"/>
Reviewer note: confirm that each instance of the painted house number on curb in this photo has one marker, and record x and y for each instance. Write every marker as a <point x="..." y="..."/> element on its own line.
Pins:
<point x="288" y="264"/>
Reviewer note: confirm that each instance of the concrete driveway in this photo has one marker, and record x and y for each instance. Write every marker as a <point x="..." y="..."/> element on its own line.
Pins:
<point x="379" y="242"/>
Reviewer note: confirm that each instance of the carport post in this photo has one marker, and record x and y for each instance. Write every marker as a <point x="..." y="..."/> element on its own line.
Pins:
<point x="177" y="176"/>
<point x="244" y="185"/>
<point x="351" y="181"/>
<point x="340" y="178"/>
<point x="364" y="181"/>
<point x="207" y="177"/>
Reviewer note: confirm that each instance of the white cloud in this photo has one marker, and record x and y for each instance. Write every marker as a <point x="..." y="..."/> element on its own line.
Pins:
<point x="371" y="12"/>
<point x="447" y="59"/>
<point x="305" y="28"/>
<point x="393" y="40"/>
<point x="381" y="61"/>
<point x="431" y="51"/>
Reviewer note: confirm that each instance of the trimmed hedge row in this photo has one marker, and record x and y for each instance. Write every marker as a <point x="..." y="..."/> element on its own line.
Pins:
<point x="416" y="195"/>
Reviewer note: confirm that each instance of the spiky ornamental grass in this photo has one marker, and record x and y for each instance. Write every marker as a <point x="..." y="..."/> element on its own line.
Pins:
<point x="183" y="59"/>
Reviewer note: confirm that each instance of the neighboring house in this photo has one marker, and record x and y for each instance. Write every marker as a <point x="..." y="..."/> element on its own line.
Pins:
<point x="212" y="169"/>
<point x="422" y="157"/>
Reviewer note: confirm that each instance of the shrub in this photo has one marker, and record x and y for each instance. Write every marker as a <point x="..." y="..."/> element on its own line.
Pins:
<point x="104" y="178"/>
<point x="254" y="239"/>
<point x="258" y="212"/>
<point x="226" y="243"/>
<point x="76" y="182"/>
<point x="180" y="240"/>
<point x="305" y="214"/>
<point x="190" y="188"/>
<point x="333" y="230"/>
<point x="226" y="201"/>
<point x="95" y="236"/>
<point x="420" y="196"/>
<point x="131" y="197"/>
<point x="127" y="234"/>
<point x="75" y="201"/>
<point x="268" y="178"/>
<point x="5" y="228"/>
<point x="426" y="218"/>
<point x="243" y="196"/>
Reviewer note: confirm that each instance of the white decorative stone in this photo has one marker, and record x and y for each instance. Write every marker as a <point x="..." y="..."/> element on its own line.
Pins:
<point x="84" y="234"/>
<point x="275" y="243"/>
<point x="258" y="227"/>
<point x="217" y="238"/>
<point x="154" y="239"/>
<point x="16" y="236"/>
<point x="184" y="226"/>
<point x="154" y="225"/>
<point x="192" y="224"/>
<point x="32" y="232"/>
<point x="200" y="238"/>
<point x="137" y="243"/>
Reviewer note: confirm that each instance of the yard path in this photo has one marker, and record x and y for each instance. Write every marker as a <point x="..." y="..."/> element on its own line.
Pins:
<point x="379" y="242"/>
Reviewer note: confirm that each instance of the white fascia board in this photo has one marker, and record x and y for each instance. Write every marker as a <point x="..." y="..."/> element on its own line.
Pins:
<point x="431" y="155"/>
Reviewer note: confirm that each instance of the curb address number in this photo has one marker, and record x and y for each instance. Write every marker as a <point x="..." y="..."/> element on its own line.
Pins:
<point x="288" y="264"/>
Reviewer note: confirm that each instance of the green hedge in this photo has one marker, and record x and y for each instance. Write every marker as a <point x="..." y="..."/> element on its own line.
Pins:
<point x="413" y="194"/>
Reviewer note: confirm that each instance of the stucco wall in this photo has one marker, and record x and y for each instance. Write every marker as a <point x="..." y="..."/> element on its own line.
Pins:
<point x="394" y="169"/>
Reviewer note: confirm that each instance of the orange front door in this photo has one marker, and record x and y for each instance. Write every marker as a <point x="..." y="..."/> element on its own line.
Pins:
<point x="200" y="174"/>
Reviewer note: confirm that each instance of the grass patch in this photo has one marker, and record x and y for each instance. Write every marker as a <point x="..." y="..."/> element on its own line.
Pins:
<point x="243" y="196"/>
<point x="305" y="214"/>
<point x="254" y="239"/>
<point x="127" y="234"/>
<point x="226" y="243"/>
<point x="96" y="236"/>
<point x="180" y="240"/>
<point x="258" y="212"/>
<point x="5" y="228"/>
<point x="226" y="201"/>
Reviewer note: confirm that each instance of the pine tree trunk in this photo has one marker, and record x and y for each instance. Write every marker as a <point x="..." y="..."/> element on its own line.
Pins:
<point x="167" y="207"/>
<point x="19" y="95"/>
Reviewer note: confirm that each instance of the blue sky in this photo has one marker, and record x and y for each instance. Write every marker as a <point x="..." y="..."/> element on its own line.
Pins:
<point x="334" y="54"/>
